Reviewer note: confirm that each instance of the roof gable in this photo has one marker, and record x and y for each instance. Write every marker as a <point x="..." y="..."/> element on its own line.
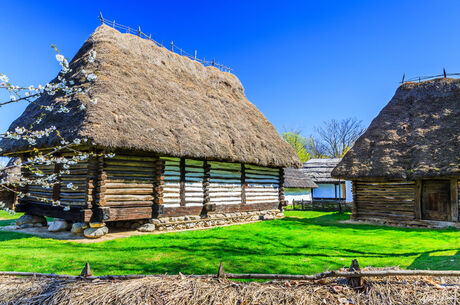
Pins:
<point x="152" y="99"/>
<point x="417" y="134"/>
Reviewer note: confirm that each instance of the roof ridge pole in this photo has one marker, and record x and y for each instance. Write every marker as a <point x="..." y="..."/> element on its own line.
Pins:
<point x="139" y="31"/>
<point x="101" y="18"/>
<point x="444" y="71"/>
<point x="404" y="76"/>
<point x="172" y="46"/>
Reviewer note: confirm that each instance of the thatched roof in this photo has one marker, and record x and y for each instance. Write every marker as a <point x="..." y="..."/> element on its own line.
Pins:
<point x="416" y="135"/>
<point x="319" y="170"/>
<point x="296" y="178"/>
<point x="155" y="100"/>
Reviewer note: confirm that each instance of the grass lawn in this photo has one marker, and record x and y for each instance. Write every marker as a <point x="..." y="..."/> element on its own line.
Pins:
<point x="303" y="242"/>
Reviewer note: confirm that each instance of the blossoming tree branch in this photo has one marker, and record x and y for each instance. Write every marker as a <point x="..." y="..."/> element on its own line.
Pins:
<point x="31" y="134"/>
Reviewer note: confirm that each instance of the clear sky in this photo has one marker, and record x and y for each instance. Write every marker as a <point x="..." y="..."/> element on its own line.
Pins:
<point x="301" y="62"/>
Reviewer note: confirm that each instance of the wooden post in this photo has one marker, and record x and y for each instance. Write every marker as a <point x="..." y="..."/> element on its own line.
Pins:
<point x="355" y="282"/>
<point x="86" y="271"/>
<point x="206" y="183"/>
<point x="281" y="187"/>
<point x="243" y="183"/>
<point x="139" y="32"/>
<point x="57" y="185"/>
<point x="354" y="205"/>
<point x="418" y="199"/>
<point x="221" y="271"/>
<point x="101" y="18"/>
<point x="454" y="200"/>
<point x="182" y="182"/>
<point x="101" y="179"/>
<point x="158" y="188"/>
<point x="172" y="46"/>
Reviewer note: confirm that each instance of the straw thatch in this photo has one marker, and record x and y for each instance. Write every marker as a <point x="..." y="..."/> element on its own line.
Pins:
<point x="154" y="100"/>
<point x="416" y="135"/>
<point x="296" y="178"/>
<point x="174" y="290"/>
<point x="319" y="170"/>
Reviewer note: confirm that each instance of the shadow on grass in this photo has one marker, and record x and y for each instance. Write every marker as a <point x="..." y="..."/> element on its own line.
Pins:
<point x="332" y="220"/>
<point x="439" y="260"/>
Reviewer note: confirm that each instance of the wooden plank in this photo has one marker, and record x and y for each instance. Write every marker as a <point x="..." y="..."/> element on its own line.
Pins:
<point x="182" y="181"/>
<point x="454" y="200"/>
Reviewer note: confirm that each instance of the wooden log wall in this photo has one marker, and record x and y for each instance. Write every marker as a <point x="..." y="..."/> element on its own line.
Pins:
<point x="263" y="185"/>
<point x="172" y="179"/>
<point x="129" y="181"/>
<point x="225" y="183"/>
<point x="36" y="190"/>
<point x="391" y="199"/>
<point x="458" y="200"/>
<point x="194" y="176"/>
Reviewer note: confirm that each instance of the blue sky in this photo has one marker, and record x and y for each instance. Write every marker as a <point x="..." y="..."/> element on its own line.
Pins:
<point x="301" y="62"/>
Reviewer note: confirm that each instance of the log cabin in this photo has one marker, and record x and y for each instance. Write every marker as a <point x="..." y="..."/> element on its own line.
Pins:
<point x="186" y="140"/>
<point x="329" y="188"/>
<point x="405" y="168"/>
<point x="297" y="185"/>
<point x="9" y="177"/>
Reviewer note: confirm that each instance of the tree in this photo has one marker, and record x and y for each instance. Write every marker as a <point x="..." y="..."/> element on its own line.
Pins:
<point x="68" y="85"/>
<point x="335" y="138"/>
<point x="300" y="144"/>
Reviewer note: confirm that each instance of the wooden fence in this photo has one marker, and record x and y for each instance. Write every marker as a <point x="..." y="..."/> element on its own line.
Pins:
<point x="322" y="205"/>
<point x="354" y="275"/>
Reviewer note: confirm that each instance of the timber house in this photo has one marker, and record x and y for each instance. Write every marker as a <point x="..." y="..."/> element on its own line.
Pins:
<point x="186" y="140"/>
<point x="405" y="168"/>
<point x="329" y="188"/>
<point x="297" y="185"/>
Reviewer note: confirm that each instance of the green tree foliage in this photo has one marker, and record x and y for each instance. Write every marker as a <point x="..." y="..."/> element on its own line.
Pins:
<point x="300" y="144"/>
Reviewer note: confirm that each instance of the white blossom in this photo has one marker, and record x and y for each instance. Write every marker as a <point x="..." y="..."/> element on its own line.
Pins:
<point x="82" y="107"/>
<point x="92" y="56"/>
<point x="77" y="141"/>
<point x="93" y="101"/>
<point x="60" y="57"/>
<point x="91" y="77"/>
<point x="4" y="78"/>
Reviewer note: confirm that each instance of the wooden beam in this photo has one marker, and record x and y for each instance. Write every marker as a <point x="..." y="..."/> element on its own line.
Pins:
<point x="281" y="188"/>
<point x="182" y="182"/>
<point x="418" y="199"/>
<point x="454" y="200"/>
<point x="243" y="184"/>
<point x="206" y="183"/>
<point x="57" y="185"/>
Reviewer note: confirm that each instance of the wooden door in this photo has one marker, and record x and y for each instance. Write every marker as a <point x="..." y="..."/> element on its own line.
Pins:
<point x="436" y="200"/>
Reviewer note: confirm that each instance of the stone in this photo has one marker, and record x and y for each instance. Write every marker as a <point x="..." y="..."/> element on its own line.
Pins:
<point x="79" y="227"/>
<point x="58" y="225"/>
<point x="95" y="232"/>
<point x="31" y="219"/>
<point x="26" y="225"/>
<point x="147" y="227"/>
<point x="268" y="217"/>
<point x="154" y="221"/>
<point x="191" y="225"/>
<point x="135" y="226"/>
<point x="38" y="225"/>
<point x="96" y="224"/>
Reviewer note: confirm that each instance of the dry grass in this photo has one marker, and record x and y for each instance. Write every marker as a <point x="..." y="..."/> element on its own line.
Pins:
<point x="185" y="290"/>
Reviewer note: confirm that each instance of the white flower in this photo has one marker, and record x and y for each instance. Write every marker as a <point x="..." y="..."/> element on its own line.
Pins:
<point x="4" y="78"/>
<point x="70" y="186"/>
<point x="20" y="130"/>
<point x="59" y="57"/>
<point x="12" y="97"/>
<point x="91" y="77"/>
<point x="110" y="155"/>
<point x="82" y="107"/>
<point x="63" y="109"/>
<point x="66" y="208"/>
<point x="93" y="101"/>
<point x="92" y="56"/>
<point x="77" y="141"/>
<point x="71" y="82"/>
<point x="31" y="88"/>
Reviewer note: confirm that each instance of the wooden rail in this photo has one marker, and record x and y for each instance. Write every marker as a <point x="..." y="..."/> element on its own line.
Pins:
<point x="356" y="273"/>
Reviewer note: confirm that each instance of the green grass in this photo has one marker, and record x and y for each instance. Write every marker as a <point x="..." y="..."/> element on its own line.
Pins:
<point x="302" y="243"/>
